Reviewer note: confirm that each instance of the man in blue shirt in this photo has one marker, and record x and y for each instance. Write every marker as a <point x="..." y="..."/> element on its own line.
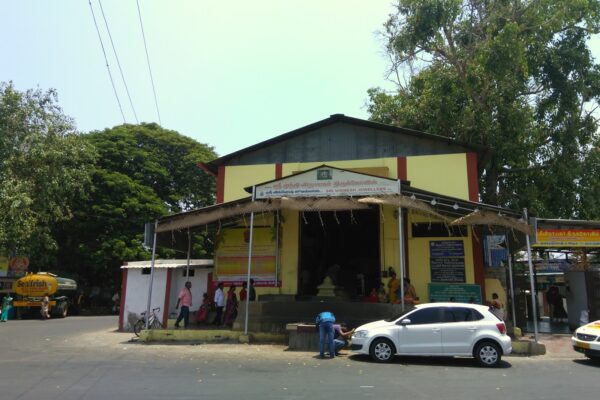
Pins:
<point x="325" y="321"/>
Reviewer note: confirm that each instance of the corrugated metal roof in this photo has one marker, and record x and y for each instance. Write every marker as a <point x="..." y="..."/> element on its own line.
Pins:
<point x="213" y="165"/>
<point x="168" y="264"/>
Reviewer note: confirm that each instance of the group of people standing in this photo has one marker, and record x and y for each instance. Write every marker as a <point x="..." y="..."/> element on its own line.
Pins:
<point x="225" y="305"/>
<point x="6" y="306"/>
<point x="394" y="294"/>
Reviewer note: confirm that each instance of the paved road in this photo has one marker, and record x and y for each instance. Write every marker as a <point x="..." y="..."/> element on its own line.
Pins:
<point x="83" y="358"/>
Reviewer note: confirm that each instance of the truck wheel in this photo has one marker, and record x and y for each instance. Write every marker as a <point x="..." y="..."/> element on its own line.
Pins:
<point x="60" y="311"/>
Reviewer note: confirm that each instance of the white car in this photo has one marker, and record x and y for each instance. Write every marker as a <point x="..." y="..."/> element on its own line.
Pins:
<point x="436" y="329"/>
<point x="586" y="340"/>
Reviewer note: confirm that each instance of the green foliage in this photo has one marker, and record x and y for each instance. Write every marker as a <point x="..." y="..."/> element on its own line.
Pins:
<point x="142" y="172"/>
<point x="44" y="169"/>
<point x="160" y="159"/>
<point x="515" y="76"/>
<point x="78" y="203"/>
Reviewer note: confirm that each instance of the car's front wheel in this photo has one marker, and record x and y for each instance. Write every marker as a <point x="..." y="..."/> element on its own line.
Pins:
<point x="382" y="350"/>
<point x="488" y="354"/>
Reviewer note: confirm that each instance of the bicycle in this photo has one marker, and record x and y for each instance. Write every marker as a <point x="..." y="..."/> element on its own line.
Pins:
<point x="153" y="323"/>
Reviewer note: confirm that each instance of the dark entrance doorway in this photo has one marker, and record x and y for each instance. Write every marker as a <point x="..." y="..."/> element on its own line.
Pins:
<point x="343" y="245"/>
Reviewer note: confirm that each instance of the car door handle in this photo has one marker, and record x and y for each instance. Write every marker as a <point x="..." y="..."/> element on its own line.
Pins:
<point x="435" y="329"/>
<point x="472" y="328"/>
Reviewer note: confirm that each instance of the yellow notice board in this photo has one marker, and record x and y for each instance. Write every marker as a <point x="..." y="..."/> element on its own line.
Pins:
<point x="231" y="256"/>
<point x="567" y="238"/>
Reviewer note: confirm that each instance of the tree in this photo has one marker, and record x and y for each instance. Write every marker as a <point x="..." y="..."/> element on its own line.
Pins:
<point x="516" y="76"/>
<point x="142" y="172"/>
<point x="44" y="169"/>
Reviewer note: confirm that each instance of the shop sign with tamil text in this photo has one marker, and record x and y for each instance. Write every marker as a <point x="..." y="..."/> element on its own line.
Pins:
<point x="327" y="182"/>
<point x="567" y="238"/>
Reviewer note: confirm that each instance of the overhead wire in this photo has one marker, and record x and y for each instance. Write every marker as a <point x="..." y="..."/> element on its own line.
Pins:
<point x="106" y="60"/>
<point x="118" y="62"/>
<point x="148" y="61"/>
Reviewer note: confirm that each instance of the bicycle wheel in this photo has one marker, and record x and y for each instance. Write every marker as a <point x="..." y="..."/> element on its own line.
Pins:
<point x="138" y="326"/>
<point x="156" y="324"/>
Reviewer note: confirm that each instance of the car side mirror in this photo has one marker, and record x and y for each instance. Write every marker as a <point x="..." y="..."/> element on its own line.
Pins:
<point x="405" y="321"/>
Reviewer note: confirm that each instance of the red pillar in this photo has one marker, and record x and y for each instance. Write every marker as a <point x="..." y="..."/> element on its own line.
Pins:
<point x="221" y="185"/>
<point x="165" y="317"/>
<point x="123" y="295"/>
<point x="402" y="169"/>
<point x="476" y="236"/>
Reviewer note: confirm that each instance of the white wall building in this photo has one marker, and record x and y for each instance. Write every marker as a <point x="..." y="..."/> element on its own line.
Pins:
<point x="169" y="279"/>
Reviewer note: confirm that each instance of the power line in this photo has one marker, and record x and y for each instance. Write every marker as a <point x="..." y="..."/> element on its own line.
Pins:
<point x="118" y="62"/>
<point x="148" y="61"/>
<point x="106" y="60"/>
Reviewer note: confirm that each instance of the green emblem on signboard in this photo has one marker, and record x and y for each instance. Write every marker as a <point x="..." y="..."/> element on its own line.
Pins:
<point x="323" y="174"/>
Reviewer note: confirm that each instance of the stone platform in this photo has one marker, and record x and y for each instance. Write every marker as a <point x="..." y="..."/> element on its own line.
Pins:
<point x="274" y="315"/>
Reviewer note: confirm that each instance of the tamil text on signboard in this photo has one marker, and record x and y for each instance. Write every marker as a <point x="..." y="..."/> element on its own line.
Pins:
<point x="447" y="260"/>
<point x="567" y="238"/>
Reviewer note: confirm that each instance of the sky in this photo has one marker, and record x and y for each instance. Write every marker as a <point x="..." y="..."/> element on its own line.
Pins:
<point x="228" y="73"/>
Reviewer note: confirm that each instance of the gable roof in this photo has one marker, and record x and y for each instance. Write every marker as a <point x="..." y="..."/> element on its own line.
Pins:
<point x="213" y="166"/>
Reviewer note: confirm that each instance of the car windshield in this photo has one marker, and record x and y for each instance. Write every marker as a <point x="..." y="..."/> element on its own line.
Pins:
<point x="397" y="316"/>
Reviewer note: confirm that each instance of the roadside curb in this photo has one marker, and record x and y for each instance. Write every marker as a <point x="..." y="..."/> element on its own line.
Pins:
<point x="209" y="336"/>
<point x="525" y="347"/>
<point x="520" y="347"/>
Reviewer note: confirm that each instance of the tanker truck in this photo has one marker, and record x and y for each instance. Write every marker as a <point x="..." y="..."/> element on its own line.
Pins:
<point x="32" y="288"/>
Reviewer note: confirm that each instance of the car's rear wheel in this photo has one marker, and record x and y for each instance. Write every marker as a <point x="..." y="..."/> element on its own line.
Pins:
<point x="382" y="350"/>
<point x="488" y="354"/>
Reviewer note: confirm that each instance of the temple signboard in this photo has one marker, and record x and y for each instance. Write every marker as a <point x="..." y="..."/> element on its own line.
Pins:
<point x="327" y="182"/>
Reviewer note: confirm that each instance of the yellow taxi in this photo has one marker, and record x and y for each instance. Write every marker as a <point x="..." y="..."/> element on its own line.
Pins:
<point x="586" y="340"/>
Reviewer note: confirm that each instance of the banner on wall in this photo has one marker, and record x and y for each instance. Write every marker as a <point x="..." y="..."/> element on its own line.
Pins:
<point x="18" y="266"/>
<point x="495" y="250"/>
<point x="231" y="256"/>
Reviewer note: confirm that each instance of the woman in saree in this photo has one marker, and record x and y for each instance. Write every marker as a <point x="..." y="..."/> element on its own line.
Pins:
<point x="393" y="286"/>
<point x="231" y="306"/>
<point x="204" y="309"/>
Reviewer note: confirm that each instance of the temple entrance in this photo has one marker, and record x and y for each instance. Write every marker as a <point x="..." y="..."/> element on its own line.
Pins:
<point x="343" y="245"/>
